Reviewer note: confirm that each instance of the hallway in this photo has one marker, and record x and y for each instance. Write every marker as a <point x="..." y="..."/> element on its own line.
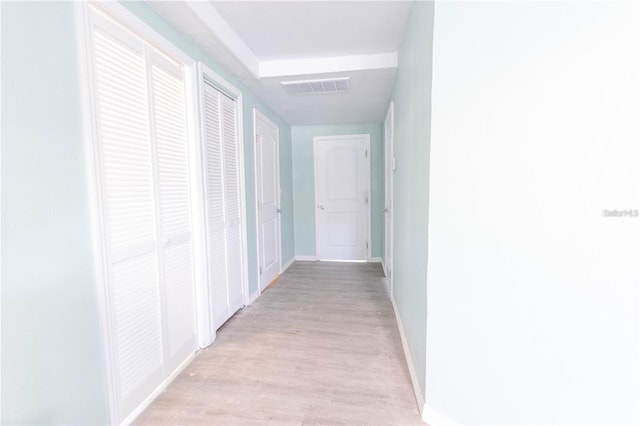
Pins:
<point x="320" y="346"/>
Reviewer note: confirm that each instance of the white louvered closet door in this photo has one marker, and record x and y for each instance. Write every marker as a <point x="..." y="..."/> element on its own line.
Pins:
<point x="215" y="204"/>
<point x="224" y="224"/>
<point x="144" y="180"/>
<point x="176" y="247"/>
<point x="129" y="204"/>
<point x="232" y="203"/>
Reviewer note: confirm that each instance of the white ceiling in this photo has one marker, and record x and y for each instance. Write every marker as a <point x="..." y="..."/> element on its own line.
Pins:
<point x="264" y="43"/>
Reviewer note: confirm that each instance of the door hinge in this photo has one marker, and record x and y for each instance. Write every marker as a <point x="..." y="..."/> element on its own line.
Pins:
<point x="366" y="153"/>
<point x="261" y="270"/>
<point x="366" y="197"/>
<point x="367" y="243"/>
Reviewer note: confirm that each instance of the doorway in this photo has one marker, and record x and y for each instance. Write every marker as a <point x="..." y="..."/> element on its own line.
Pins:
<point x="267" y="156"/>
<point x="342" y="180"/>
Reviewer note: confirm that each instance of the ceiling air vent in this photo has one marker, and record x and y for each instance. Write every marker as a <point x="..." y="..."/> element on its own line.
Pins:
<point x="309" y="87"/>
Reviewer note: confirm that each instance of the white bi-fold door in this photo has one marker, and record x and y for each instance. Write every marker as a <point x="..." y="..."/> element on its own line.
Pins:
<point x="342" y="197"/>
<point x="223" y="202"/>
<point x="142" y="163"/>
<point x="268" y="198"/>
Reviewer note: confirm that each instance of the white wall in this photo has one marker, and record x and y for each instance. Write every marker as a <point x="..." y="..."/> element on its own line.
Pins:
<point x="533" y="296"/>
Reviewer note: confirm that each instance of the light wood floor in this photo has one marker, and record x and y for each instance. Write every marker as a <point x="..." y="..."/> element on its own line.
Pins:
<point x="320" y="346"/>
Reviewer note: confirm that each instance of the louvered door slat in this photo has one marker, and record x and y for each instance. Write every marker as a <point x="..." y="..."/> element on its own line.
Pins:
<point x="172" y="156"/>
<point x="216" y="233"/>
<point x="231" y="175"/>
<point x="127" y="182"/>
<point x="232" y="203"/>
<point x="144" y="178"/>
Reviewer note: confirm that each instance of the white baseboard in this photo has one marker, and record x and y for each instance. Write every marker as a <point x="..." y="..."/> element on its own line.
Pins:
<point x="253" y="297"/>
<point x="289" y="263"/>
<point x="407" y="355"/>
<point x="376" y="260"/>
<point x="145" y="404"/>
<point x="435" y="418"/>
<point x="307" y="258"/>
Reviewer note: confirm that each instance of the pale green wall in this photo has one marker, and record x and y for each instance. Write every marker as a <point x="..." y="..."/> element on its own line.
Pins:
<point x="412" y="103"/>
<point x="51" y="355"/>
<point x="303" y="183"/>
<point x="286" y="194"/>
<point x="250" y="101"/>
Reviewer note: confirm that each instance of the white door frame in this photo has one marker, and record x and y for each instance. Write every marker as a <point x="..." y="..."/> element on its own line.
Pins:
<point x="258" y="115"/>
<point x="368" y="183"/>
<point x="389" y="167"/>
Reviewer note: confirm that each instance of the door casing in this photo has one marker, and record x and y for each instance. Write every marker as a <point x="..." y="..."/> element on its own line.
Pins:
<point x="389" y="166"/>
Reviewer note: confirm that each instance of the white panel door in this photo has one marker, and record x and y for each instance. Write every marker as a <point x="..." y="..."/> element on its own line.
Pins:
<point x="388" y="195"/>
<point x="342" y="197"/>
<point x="268" y="199"/>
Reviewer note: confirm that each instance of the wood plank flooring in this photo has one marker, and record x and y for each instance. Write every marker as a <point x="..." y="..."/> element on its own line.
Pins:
<point x="319" y="347"/>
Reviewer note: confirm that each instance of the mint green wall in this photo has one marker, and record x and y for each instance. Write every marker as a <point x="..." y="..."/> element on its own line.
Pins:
<point x="303" y="183"/>
<point x="412" y="102"/>
<point x="250" y="101"/>
<point x="286" y="194"/>
<point x="51" y="354"/>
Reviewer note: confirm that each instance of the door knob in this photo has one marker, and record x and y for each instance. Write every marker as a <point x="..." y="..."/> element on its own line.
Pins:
<point x="386" y="210"/>
<point x="278" y="210"/>
<point x="321" y="207"/>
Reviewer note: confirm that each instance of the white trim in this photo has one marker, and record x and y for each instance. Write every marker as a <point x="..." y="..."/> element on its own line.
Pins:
<point x="161" y="387"/>
<point x="376" y="260"/>
<point x="435" y="418"/>
<point x="129" y="21"/>
<point x="78" y="43"/>
<point x="258" y="115"/>
<point x="206" y="318"/>
<point x="206" y="335"/>
<point x="218" y="81"/>
<point x="253" y="297"/>
<point x="291" y="67"/>
<point x="367" y="137"/>
<point x="389" y="161"/>
<point x="255" y="186"/>
<point x="306" y="258"/>
<point x="83" y="42"/>
<point x="243" y="194"/>
<point x="288" y="264"/>
<point x="222" y="31"/>
<point x="407" y="355"/>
